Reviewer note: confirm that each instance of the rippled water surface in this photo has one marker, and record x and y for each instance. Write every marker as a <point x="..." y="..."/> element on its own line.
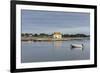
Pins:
<point x="54" y="51"/>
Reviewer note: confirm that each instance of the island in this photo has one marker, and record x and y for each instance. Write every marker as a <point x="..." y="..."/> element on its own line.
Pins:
<point x="56" y="36"/>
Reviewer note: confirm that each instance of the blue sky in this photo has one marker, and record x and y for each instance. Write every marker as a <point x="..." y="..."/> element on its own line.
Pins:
<point x="35" y="21"/>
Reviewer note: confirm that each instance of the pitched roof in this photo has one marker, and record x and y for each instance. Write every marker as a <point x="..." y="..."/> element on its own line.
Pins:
<point x="57" y="33"/>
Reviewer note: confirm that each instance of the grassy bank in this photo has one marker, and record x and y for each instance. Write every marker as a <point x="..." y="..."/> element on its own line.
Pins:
<point x="51" y="39"/>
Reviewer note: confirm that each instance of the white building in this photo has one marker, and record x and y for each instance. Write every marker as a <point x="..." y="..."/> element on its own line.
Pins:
<point x="57" y="35"/>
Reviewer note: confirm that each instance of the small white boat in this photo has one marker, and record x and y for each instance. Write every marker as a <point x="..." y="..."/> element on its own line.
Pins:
<point x="76" y="45"/>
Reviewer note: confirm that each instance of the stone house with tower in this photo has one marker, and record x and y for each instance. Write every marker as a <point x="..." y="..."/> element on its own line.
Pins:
<point x="57" y="35"/>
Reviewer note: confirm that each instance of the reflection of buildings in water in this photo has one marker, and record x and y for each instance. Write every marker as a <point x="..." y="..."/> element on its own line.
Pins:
<point x="30" y="41"/>
<point x="57" y="44"/>
<point x="49" y="42"/>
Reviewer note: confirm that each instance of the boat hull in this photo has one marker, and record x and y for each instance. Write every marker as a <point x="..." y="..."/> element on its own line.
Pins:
<point x="77" y="45"/>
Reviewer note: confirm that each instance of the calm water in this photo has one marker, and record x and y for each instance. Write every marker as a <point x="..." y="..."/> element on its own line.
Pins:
<point x="54" y="51"/>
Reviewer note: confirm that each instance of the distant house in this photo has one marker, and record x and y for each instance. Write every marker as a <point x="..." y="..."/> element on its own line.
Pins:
<point x="30" y="35"/>
<point x="57" y="35"/>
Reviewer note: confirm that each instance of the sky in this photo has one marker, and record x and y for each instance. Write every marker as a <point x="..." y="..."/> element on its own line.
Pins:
<point x="36" y="21"/>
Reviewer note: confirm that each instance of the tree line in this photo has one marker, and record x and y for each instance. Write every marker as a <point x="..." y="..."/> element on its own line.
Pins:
<point x="35" y="35"/>
<point x="75" y="35"/>
<point x="50" y="35"/>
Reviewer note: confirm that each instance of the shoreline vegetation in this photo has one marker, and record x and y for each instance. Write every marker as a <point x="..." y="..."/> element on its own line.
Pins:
<point x="49" y="37"/>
